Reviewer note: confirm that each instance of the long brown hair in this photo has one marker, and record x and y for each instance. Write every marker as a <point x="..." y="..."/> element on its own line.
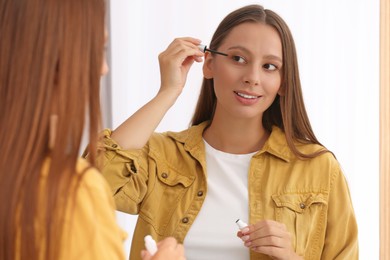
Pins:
<point x="288" y="110"/>
<point x="51" y="57"/>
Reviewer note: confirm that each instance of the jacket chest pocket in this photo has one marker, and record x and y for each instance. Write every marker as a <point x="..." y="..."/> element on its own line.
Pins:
<point x="304" y="215"/>
<point x="165" y="197"/>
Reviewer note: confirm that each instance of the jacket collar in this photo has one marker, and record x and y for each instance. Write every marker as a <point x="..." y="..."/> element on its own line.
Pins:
<point x="277" y="145"/>
<point x="192" y="138"/>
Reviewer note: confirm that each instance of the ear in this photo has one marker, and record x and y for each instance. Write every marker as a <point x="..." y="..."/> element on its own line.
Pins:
<point x="208" y="66"/>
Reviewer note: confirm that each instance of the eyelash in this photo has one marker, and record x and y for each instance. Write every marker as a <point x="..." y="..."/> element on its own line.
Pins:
<point x="236" y="58"/>
<point x="275" y="67"/>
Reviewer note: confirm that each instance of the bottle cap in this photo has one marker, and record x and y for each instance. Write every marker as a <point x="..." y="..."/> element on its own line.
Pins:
<point x="150" y="244"/>
<point x="202" y="47"/>
<point x="241" y="224"/>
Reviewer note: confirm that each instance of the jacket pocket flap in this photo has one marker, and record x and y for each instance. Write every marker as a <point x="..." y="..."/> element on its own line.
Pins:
<point x="298" y="202"/>
<point x="172" y="178"/>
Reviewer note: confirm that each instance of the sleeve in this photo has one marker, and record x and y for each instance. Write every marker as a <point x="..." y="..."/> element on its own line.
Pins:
<point x="121" y="169"/>
<point x="341" y="240"/>
<point x="91" y="230"/>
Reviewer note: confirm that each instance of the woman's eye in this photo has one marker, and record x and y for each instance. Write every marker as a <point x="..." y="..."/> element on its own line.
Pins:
<point x="269" y="66"/>
<point x="239" y="59"/>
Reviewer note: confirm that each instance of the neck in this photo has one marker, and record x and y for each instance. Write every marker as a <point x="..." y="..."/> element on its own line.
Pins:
<point x="236" y="136"/>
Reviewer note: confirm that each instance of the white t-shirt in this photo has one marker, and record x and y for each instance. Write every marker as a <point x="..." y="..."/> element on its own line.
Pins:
<point x="213" y="235"/>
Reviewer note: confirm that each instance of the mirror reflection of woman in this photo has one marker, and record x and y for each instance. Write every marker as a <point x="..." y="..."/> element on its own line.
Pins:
<point x="249" y="153"/>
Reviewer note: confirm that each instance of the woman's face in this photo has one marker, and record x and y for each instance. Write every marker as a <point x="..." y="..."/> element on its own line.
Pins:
<point x="247" y="81"/>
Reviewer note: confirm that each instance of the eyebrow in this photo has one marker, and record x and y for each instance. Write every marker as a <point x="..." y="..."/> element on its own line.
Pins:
<point x="270" y="56"/>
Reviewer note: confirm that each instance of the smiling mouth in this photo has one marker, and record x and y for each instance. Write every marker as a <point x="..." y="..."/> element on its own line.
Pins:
<point x="245" y="95"/>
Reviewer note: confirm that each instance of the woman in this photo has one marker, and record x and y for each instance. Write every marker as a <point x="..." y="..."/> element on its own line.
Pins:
<point x="250" y="153"/>
<point x="54" y="205"/>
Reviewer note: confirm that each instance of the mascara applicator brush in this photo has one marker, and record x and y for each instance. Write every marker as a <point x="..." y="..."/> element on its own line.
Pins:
<point x="203" y="48"/>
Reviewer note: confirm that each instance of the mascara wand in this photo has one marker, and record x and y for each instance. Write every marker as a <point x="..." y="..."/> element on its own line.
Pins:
<point x="203" y="48"/>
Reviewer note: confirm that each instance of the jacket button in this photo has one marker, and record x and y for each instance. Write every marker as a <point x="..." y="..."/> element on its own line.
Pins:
<point x="184" y="220"/>
<point x="200" y="193"/>
<point x="114" y="146"/>
<point x="164" y="175"/>
<point x="302" y="205"/>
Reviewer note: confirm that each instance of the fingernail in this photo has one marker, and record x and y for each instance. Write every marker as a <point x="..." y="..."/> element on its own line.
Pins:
<point x="248" y="243"/>
<point x="245" y="238"/>
<point x="245" y="230"/>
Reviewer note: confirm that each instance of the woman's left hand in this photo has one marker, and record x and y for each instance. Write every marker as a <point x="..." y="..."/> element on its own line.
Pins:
<point x="270" y="238"/>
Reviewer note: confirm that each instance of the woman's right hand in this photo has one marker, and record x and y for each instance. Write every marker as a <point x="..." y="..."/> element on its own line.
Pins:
<point x="176" y="61"/>
<point x="168" y="249"/>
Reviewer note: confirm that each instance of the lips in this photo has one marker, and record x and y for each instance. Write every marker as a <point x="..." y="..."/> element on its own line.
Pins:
<point x="247" y="96"/>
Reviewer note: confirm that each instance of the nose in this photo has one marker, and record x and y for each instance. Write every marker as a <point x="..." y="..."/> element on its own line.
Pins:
<point x="252" y="76"/>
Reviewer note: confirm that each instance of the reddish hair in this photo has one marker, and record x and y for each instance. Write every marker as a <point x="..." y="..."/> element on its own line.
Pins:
<point x="51" y="57"/>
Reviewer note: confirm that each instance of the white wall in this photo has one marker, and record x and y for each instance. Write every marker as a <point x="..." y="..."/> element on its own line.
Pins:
<point x="338" y="50"/>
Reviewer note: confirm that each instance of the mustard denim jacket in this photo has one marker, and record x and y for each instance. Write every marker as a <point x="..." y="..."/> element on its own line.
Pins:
<point x="90" y="228"/>
<point x="166" y="184"/>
